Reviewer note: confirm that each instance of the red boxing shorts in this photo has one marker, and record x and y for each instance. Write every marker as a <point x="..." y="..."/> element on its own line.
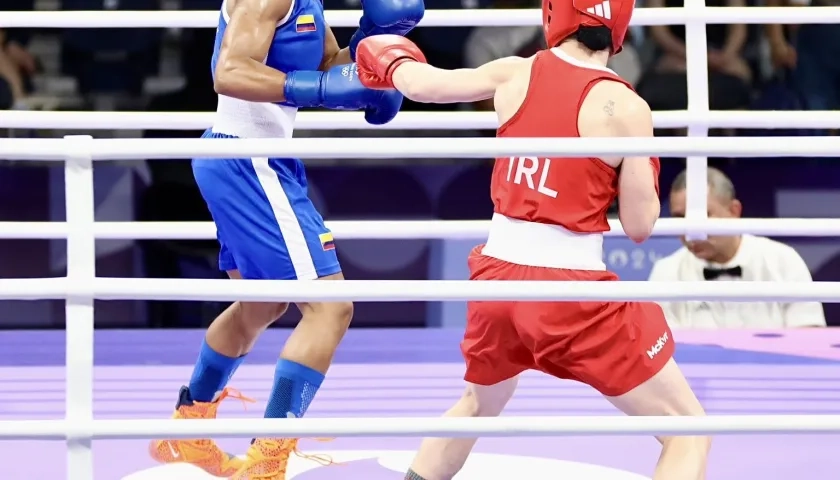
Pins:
<point x="612" y="346"/>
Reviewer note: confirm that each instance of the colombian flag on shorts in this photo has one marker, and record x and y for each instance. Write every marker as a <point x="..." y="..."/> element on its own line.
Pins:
<point x="305" y="23"/>
<point x="327" y="242"/>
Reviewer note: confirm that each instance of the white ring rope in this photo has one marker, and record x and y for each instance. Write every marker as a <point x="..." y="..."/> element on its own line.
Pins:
<point x="413" y="290"/>
<point x="424" y="229"/>
<point x="403" y="121"/>
<point x="432" y="18"/>
<point x="367" y="148"/>
<point x="415" y="427"/>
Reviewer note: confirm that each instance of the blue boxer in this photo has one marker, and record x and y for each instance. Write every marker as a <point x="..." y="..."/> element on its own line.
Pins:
<point x="271" y="58"/>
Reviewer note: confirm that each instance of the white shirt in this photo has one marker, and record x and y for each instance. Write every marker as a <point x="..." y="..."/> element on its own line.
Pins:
<point x="761" y="260"/>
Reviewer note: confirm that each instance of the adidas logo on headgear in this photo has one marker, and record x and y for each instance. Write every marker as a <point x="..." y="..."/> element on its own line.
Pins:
<point x="601" y="10"/>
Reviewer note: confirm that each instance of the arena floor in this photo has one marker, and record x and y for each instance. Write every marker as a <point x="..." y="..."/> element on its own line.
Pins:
<point x="385" y="373"/>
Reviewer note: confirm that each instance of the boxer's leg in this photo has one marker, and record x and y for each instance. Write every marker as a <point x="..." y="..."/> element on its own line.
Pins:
<point x="307" y="355"/>
<point x="269" y="230"/>
<point x="668" y="393"/>
<point x="645" y="380"/>
<point x="258" y="241"/>
<point x="223" y="348"/>
<point x="442" y="458"/>
<point x="494" y="356"/>
<point x="624" y="350"/>
<point x="299" y="246"/>
<point x="650" y="383"/>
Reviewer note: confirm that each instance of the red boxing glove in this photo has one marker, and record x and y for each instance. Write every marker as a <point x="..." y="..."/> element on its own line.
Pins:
<point x="654" y="162"/>
<point x="378" y="56"/>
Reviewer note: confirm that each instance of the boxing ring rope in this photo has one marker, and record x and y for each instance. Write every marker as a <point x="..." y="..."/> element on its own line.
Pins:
<point x="413" y="147"/>
<point x="81" y="286"/>
<point x="770" y="120"/>
<point x="423" y="229"/>
<point x="412" y="290"/>
<point x="414" y="427"/>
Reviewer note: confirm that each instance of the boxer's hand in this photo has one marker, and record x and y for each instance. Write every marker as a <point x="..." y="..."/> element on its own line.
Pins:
<point x="380" y="55"/>
<point x="380" y="17"/>
<point x="340" y="88"/>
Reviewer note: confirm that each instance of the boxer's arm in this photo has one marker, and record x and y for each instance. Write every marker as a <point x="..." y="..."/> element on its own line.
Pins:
<point x="424" y="83"/>
<point x="241" y="71"/>
<point x="627" y="115"/>
<point x="333" y="54"/>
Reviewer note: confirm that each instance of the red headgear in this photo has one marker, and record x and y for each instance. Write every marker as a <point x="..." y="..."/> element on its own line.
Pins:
<point x="562" y="18"/>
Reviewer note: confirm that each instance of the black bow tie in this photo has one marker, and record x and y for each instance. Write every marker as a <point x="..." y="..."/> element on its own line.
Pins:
<point x="715" y="273"/>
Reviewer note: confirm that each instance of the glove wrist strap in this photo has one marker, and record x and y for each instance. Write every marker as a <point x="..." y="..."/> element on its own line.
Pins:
<point x="303" y="88"/>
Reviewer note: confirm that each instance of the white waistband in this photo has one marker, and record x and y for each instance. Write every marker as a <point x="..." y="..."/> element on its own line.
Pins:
<point x="253" y="120"/>
<point x="542" y="245"/>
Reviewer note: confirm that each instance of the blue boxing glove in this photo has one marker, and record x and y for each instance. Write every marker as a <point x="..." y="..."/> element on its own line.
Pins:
<point x="386" y="17"/>
<point x="339" y="88"/>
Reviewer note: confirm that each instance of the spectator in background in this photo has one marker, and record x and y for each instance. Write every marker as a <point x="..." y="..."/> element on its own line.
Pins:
<point x="15" y="49"/>
<point x="17" y="64"/>
<point x="738" y="258"/>
<point x="486" y="44"/>
<point x="812" y="58"/>
<point x="12" y="88"/>
<point x="664" y="87"/>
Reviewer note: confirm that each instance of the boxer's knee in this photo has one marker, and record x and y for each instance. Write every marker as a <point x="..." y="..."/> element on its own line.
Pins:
<point x="693" y="451"/>
<point x="487" y="401"/>
<point x="254" y="317"/>
<point x="332" y="317"/>
<point x="667" y="393"/>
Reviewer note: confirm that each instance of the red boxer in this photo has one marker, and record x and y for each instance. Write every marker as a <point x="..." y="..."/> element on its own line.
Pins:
<point x="550" y="215"/>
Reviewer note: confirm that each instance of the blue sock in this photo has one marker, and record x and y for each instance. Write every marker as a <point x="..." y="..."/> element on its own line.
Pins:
<point x="294" y="388"/>
<point x="211" y="373"/>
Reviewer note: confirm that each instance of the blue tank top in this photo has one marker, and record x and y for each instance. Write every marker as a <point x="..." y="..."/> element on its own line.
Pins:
<point x="298" y="44"/>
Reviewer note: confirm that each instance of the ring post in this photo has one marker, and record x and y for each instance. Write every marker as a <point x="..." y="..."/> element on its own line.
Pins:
<point x="697" y="78"/>
<point x="81" y="260"/>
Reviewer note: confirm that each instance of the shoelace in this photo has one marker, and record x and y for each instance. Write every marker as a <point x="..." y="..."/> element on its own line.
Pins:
<point x="237" y="395"/>
<point x="200" y="413"/>
<point x="284" y="448"/>
<point x="204" y="407"/>
<point x="324" y="460"/>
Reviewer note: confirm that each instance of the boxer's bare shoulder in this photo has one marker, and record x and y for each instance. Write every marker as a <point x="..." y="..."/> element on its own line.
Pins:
<point x="611" y="109"/>
<point x="510" y="94"/>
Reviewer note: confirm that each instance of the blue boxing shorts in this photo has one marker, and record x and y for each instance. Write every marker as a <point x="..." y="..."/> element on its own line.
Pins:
<point x="266" y="224"/>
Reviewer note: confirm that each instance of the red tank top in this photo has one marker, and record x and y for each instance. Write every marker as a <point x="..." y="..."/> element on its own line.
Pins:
<point x="573" y="193"/>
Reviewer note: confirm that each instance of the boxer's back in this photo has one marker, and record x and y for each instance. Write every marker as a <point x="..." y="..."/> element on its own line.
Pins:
<point x="552" y="204"/>
<point x="571" y="192"/>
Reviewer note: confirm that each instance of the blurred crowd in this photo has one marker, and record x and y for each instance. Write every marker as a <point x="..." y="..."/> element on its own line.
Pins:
<point x="763" y="67"/>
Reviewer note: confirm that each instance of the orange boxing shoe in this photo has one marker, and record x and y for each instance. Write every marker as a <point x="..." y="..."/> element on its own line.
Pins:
<point x="203" y="453"/>
<point x="268" y="458"/>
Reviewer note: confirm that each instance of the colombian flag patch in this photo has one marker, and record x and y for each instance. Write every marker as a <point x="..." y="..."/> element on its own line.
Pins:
<point x="305" y="23"/>
<point x="327" y="242"/>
